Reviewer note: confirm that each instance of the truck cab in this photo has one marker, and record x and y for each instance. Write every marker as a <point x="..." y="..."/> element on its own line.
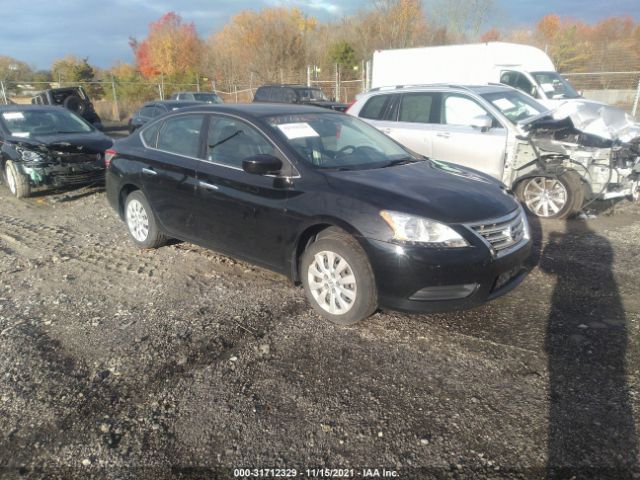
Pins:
<point x="548" y="87"/>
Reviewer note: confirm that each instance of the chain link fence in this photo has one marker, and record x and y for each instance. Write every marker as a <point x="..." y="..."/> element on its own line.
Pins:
<point x="116" y="100"/>
<point x="621" y="89"/>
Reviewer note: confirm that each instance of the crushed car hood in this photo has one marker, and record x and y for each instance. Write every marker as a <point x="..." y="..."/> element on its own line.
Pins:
<point x="429" y="188"/>
<point x="93" y="142"/>
<point x="591" y="118"/>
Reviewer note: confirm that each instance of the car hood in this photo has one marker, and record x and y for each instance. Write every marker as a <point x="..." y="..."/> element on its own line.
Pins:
<point x="93" y="142"/>
<point x="590" y="117"/>
<point x="432" y="189"/>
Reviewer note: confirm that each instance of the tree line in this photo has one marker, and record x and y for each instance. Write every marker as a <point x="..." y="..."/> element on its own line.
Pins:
<point x="277" y="44"/>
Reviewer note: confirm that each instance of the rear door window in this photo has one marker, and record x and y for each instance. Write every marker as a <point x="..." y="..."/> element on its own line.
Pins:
<point x="181" y="135"/>
<point x="419" y="108"/>
<point x="375" y="107"/>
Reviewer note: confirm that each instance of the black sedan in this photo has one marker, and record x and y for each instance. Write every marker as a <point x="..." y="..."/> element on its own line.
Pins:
<point x="48" y="147"/>
<point x="325" y="199"/>
<point x="151" y="110"/>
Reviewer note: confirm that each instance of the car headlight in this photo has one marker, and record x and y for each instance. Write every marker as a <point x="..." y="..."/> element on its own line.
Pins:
<point x="31" y="156"/>
<point x="409" y="228"/>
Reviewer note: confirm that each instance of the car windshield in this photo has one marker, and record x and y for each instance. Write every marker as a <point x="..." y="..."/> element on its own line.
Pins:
<point x="311" y="95"/>
<point x="514" y="105"/>
<point x="554" y="86"/>
<point x="207" y="97"/>
<point x="338" y="142"/>
<point x="29" y="123"/>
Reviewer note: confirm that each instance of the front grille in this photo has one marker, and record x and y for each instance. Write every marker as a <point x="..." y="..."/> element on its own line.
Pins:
<point x="502" y="234"/>
<point x="68" y="158"/>
<point x="78" y="178"/>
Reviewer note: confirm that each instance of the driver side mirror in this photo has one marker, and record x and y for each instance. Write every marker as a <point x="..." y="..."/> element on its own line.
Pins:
<point x="261" y="164"/>
<point x="482" y="122"/>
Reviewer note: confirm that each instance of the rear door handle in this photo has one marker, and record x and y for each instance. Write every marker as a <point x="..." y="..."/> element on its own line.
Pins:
<point x="207" y="186"/>
<point x="386" y="131"/>
<point x="443" y="134"/>
<point x="149" y="171"/>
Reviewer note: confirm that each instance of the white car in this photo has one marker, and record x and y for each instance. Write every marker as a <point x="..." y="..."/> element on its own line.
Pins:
<point x="551" y="165"/>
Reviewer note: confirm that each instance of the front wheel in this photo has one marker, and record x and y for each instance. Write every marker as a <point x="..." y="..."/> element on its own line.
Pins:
<point x="18" y="183"/>
<point x="141" y="222"/>
<point x="337" y="278"/>
<point x="552" y="197"/>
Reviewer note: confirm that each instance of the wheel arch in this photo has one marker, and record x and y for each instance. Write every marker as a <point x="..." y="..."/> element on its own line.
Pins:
<point x="308" y="234"/>
<point x="124" y="192"/>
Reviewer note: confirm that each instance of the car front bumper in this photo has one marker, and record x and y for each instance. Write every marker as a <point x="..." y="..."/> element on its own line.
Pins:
<point x="422" y="279"/>
<point x="54" y="176"/>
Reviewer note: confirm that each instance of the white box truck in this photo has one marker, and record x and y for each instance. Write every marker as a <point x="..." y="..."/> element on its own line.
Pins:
<point x="523" y="67"/>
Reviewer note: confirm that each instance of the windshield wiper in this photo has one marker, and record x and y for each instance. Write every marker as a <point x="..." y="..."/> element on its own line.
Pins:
<point x="237" y="132"/>
<point x="401" y="161"/>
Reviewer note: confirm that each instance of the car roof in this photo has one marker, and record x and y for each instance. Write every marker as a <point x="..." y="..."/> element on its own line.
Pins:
<point x="287" y="85"/>
<point x="193" y="93"/>
<point x="173" y="103"/>
<point x="478" y="89"/>
<point x="258" y="110"/>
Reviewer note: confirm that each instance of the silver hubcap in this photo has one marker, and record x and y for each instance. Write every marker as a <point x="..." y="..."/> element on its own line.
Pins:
<point x="332" y="283"/>
<point x="545" y="196"/>
<point x="11" y="180"/>
<point x="137" y="220"/>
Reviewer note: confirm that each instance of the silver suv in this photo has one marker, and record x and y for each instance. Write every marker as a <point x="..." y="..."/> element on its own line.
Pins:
<point x="552" y="166"/>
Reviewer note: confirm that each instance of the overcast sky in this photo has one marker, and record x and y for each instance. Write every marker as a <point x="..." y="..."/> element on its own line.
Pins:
<point x="39" y="31"/>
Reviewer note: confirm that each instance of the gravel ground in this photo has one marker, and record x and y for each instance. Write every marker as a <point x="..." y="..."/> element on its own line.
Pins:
<point x="180" y="363"/>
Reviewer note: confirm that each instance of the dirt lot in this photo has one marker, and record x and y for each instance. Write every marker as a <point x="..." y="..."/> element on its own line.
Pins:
<point x="180" y="363"/>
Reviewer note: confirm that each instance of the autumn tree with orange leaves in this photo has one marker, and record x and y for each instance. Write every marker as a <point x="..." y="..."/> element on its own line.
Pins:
<point x="265" y="45"/>
<point x="172" y="48"/>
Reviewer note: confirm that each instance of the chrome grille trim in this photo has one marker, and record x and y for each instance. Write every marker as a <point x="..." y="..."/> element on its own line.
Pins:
<point x="503" y="235"/>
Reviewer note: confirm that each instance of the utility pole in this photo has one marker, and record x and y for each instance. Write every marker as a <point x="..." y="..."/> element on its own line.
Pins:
<point x="636" y="100"/>
<point x="115" y="99"/>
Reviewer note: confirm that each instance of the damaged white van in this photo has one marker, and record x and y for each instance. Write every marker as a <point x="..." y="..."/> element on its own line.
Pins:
<point x="554" y="161"/>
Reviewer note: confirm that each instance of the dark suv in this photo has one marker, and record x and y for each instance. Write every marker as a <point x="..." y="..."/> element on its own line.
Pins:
<point x="75" y="99"/>
<point x="297" y="94"/>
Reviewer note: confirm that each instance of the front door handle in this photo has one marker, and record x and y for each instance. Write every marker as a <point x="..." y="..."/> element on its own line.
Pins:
<point x="207" y="186"/>
<point x="443" y="134"/>
<point x="386" y="131"/>
<point x="149" y="171"/>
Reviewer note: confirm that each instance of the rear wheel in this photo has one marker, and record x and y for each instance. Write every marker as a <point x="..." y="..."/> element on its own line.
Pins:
<point x="552" y="197"/>
<point x="141" y="222"/>
<point x="17" y="182"/>
<point x="338" y="279"/>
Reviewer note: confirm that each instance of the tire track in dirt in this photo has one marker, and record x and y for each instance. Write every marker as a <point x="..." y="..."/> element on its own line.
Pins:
<point x="40" y="241"/>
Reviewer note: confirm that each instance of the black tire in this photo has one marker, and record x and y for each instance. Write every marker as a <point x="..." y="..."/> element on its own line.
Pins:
<point x="573" y="196"/>
<point x="75" y="104"/>
<point x="154" y="238"/>
<point x="366" y="298"/>
<point x="17" y="183"/>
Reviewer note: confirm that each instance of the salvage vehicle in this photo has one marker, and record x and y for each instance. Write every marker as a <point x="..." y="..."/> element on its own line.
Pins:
<point x="299" y="94"/>
<point x="154" y="109"/>
<point x="48" y="147"/>
<point x="75" y="99"/>
<point x="553" y="166"/>
<point x="324" y="199"/>
<point x="208" y="97"/>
